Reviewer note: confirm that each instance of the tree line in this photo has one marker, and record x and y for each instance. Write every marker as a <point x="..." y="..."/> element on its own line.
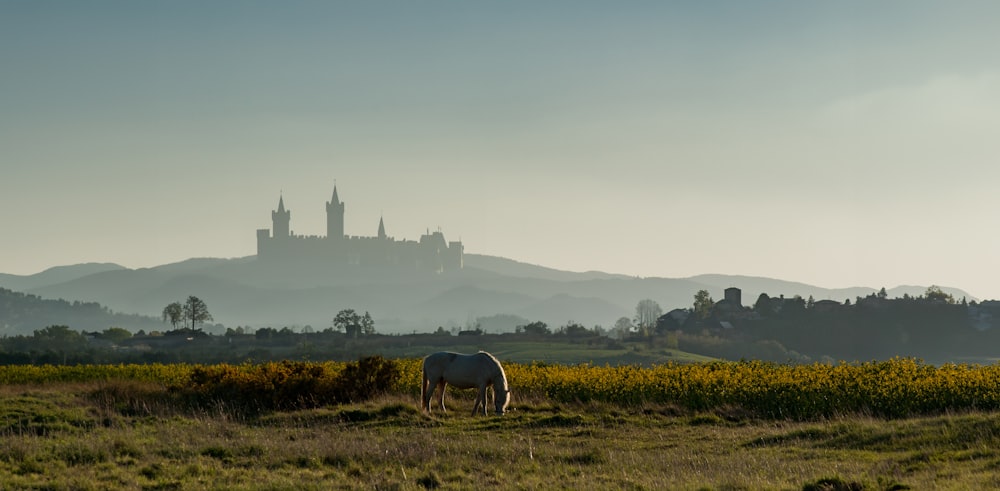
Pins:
<point x="186" y="341"/>
<point x="935" y="326"/>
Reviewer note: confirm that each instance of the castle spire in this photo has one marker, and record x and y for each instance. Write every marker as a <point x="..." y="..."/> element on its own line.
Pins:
<point x="280" y="219"/>
<point x="381" y="228"/>
<point x="335" y="216"/>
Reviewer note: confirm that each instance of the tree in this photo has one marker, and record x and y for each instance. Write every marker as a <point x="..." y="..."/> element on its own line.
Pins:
<point x="116" y="334"/>
<point x="646" y="313"/>
<point x="537" y="327"/>
<point x="173" y="313"/>
<point x="703" y="304"/>
<point x="196" y="311"/>
<point x="934" y="293"/>
<point x="61" y="336"/>
<point x="882" y="294"/>
<point x="367" y="324"/>
<point x="60" y="339"/>
<point x="573" y="329"/>
<point x="345" y="320"/>
<point x="623" y="326"/>
<point x="353" y="324"/>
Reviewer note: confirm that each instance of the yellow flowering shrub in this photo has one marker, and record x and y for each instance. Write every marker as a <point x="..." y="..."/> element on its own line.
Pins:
<point x="898" y="387"/>
<point x="894" y="388"/>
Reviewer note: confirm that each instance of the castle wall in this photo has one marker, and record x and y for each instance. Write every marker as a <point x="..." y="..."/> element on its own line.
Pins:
<point x="363" y="251"/>
<point x="431" y="253"/>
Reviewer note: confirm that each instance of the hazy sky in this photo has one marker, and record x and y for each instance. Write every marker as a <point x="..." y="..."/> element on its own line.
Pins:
<point x="834" y="143"/>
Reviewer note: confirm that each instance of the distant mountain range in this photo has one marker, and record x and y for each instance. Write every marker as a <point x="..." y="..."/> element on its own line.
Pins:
<point x="247" y="292"/>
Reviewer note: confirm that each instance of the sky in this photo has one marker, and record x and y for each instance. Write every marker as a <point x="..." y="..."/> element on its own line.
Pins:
<point x="839" y="144"/>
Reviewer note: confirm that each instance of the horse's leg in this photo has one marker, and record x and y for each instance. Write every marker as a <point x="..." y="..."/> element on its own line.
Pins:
<point x="431" y="385"/>
<point x="427" y="391"/>
<point x="444" y="386"/>
<point x="425" y="398"/>
<point x="486" y="399"/>
<point x="480" y="400"/>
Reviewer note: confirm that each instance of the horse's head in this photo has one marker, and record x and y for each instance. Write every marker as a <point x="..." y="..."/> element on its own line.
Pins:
<point x="501" y="399"/>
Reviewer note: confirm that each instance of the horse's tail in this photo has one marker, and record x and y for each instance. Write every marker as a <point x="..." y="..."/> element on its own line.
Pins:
<point x="424" y="382"/>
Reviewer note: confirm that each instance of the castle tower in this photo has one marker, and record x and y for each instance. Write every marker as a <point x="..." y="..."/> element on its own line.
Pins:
<point x="335" y="217"/>
<point x="734" y="296"/>
<point x="280" y="219"/>
<point x="381" y="229"/>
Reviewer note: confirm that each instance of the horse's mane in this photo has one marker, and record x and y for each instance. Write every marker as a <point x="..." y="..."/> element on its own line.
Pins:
<point x="502" y="379"/>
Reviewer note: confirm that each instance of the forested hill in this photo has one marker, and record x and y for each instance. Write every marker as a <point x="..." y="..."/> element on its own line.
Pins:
<point x="22" y="313"/>
<point x="250" y="293"/>
<point x="55" y="275"/>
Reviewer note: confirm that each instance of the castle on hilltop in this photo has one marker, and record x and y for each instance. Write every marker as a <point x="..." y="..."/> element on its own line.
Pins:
<point x="431" y="253"/>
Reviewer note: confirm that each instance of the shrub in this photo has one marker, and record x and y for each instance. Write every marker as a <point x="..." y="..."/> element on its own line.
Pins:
<point x="370" y="377"/>
<point x="289" y="385"/>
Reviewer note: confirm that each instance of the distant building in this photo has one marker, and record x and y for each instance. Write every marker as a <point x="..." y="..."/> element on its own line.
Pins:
<point x="431" y="253"/>
<point x="827" y="306"/>
<point x="731" y="307"/>
<point x="734" y="296"/>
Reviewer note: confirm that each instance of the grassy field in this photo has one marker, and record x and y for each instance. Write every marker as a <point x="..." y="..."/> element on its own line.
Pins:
<point x="556" y="352"/>
<point x="131" y="434"/>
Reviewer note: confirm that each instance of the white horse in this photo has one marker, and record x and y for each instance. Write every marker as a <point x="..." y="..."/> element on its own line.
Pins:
<point x="479" y="371"/>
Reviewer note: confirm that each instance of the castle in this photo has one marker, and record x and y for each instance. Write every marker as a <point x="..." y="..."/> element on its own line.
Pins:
<point x="431" y="253"/>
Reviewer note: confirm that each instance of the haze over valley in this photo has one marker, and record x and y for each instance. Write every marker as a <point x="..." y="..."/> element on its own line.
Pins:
<point x="246" y="292"/>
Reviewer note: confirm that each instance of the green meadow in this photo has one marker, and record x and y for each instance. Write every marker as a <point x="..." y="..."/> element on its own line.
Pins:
<point x="558" y="352"/>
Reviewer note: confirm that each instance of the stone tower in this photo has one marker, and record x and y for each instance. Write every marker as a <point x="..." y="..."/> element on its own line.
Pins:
<point x="734" y="296"/>
<point x="335" y="217"/>
<point x="280" y="219"/>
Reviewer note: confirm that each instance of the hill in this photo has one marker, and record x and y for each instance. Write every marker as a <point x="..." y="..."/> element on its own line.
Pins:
<point x="510" y="267"/>
<point x="54" y="275"/>
<point x="250" y="293"/>
<point x="22" y="313"/>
